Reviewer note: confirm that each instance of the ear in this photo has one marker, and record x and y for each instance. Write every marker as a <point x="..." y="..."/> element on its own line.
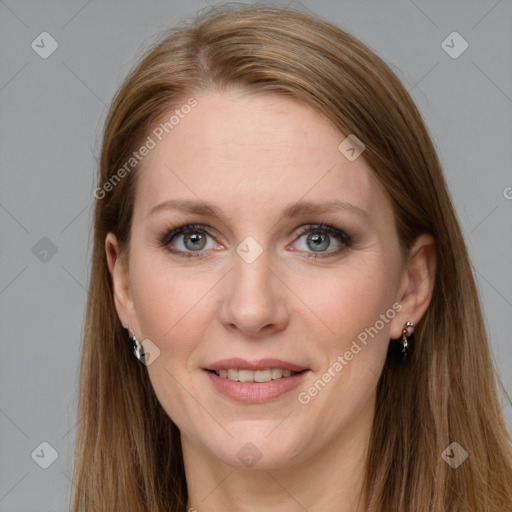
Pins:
<point x="118" y="268"/>
<point x="417" y="284"/>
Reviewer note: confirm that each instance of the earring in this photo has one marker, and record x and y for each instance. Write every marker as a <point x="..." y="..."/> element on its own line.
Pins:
<point x="138" y="349"/>
<point x="406" y="334"/>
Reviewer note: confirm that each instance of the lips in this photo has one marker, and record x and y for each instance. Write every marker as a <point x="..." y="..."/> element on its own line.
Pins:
<point x="255" y="392"/>
<point x="260" y="364"/>
<point x="248" y="381"/>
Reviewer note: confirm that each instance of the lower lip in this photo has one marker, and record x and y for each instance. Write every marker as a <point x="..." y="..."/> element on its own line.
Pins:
<point x="255" y="392"/>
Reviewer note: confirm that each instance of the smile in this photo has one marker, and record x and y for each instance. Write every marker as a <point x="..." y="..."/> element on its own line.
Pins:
<point x="243" y="375"/>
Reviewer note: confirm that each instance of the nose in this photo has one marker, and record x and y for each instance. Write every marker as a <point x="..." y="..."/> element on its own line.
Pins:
<point x="255" y="302"/>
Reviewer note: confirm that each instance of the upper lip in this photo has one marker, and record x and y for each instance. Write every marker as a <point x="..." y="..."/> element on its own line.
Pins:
<point x="259" y="364"/>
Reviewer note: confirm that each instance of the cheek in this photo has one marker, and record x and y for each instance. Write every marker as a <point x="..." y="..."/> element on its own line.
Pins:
<point x="357" y="307"/>
<point x="351" y="300"/>
<point x="166" y="298"/>
<point x="174" y="312"/>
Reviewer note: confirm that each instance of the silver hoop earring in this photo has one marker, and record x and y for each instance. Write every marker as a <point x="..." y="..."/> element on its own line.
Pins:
<point x="138" y="349"/>
<point x="406" y="334"/>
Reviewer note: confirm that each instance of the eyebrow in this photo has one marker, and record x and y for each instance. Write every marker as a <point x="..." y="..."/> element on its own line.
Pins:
<point x="293" y="210"/>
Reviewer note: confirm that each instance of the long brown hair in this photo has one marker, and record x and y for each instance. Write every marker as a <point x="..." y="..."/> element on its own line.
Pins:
<point x="128" y="452"/>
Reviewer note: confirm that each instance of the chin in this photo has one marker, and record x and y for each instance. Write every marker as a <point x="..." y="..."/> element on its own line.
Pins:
<point x="256" y="449"/>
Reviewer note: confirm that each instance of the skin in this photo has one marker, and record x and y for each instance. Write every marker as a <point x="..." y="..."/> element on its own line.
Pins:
<point x="252" y="155"/>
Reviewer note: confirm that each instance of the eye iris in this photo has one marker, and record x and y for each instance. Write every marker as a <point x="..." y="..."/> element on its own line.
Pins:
<point x="320" y="241"/>
<point x="197" y="239"/>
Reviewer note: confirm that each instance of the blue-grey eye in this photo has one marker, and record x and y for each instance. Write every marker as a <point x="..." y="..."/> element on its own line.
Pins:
<point x="190" y="238"/>
<point x="194" y="241"/>
<point x="318" y="241"/>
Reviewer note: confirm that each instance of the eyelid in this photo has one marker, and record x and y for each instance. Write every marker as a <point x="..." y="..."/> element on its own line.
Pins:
<point x="167" y="236"/>
<point x="327" y="228"/>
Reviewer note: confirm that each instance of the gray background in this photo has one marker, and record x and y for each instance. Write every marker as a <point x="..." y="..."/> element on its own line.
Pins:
<point x="52" y="112"/>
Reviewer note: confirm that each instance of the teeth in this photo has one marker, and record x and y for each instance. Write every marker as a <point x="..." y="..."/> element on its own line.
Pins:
<point x="262" y="375"/>
<point x="242" y="375"/>
<point x="277" y="373"/>
<point x="245" y="375"/>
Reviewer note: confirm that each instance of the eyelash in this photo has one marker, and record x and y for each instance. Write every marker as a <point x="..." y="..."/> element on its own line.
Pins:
<point x="166" y="238"/>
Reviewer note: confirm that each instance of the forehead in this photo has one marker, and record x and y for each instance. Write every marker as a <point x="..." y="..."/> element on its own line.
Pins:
<point x="244" y="151"/>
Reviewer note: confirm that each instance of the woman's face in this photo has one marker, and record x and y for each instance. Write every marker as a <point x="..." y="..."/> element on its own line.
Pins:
<point x="256" y="278"/>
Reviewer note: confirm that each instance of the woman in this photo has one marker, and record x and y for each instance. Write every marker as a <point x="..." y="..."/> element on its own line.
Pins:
<point x="271" y="227"/>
